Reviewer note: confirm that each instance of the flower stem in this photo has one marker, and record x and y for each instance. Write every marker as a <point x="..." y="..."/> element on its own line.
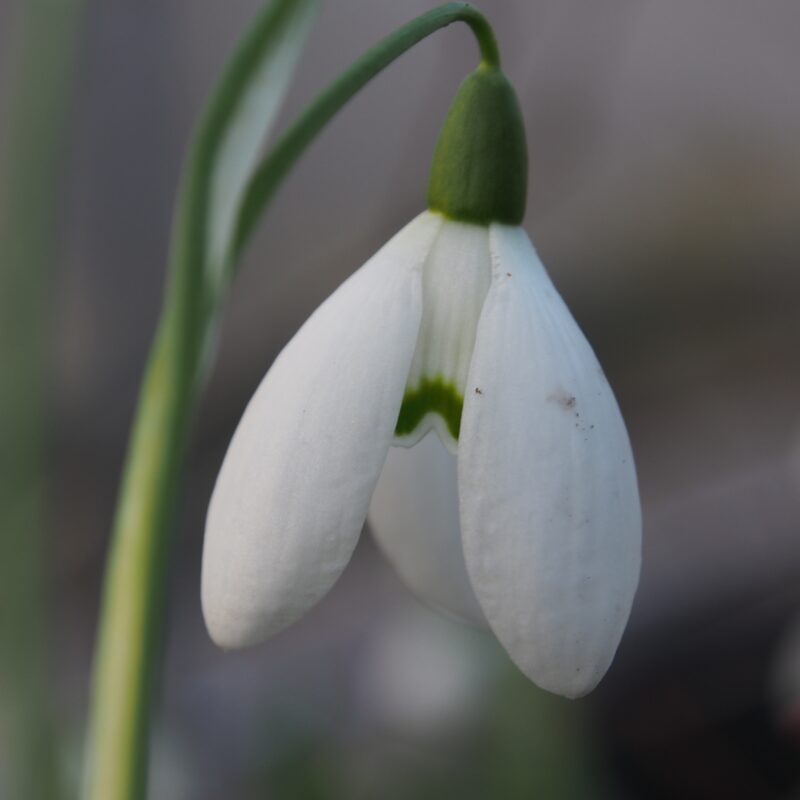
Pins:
<point x="315" y="117"/>
<point x="134" y="595"/>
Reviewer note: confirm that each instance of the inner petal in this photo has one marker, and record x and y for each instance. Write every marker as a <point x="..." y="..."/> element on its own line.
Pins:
<point x="455" y="282"/>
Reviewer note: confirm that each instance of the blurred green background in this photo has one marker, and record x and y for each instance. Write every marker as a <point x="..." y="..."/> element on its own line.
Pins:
<point x="664" y="199"/>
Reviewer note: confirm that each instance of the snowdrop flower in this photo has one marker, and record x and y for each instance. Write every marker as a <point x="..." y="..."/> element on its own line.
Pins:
<point x="525" y="516"/>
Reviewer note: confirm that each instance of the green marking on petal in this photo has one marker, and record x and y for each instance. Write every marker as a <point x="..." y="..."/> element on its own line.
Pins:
<point x="430" y="396"/>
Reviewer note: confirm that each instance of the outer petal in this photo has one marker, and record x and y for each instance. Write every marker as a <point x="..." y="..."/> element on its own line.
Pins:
<point x="294" y="487"/>
<point x="549" y="503"/>
<point x="414" y="518"/>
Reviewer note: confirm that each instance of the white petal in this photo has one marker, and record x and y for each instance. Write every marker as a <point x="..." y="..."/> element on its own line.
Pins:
<point x="414" y="518"/>
<point x="293" y="490"/>
<point x="549" y="502"/>
<point x="455" y="280"/>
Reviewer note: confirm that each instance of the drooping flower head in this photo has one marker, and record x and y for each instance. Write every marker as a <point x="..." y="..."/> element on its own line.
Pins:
<point x="450" y="363"/>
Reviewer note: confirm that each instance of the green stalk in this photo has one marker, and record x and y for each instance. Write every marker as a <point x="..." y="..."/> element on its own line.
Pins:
<point x="319" y="113"/>
<point x="34" y="142"/>
<point x="134" y="596"/>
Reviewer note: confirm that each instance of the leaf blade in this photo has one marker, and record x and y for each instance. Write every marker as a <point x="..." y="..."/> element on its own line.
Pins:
<point x="237" y="120"/>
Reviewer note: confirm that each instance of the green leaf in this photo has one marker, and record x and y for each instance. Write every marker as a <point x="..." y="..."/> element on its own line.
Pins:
<point x="43" y="47"/>
<point x="224" y="153"/>
<point x="230" y="138"/>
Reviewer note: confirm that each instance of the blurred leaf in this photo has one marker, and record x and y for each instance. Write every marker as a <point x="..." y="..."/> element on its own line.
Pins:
<point x="33" y="138"/>
<point x="539" y="745"/>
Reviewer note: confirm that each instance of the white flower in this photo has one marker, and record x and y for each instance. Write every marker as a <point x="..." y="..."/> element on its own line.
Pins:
<point x="453" y="332"/>
<point x="531" y="520"/>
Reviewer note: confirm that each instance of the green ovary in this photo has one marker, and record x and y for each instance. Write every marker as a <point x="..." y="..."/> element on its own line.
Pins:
<point x="430" y="396"/>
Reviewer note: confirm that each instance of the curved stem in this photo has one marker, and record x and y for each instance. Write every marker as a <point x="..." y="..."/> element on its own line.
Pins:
<point x="307" y="126"/>
<point x="134" y="592"/>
